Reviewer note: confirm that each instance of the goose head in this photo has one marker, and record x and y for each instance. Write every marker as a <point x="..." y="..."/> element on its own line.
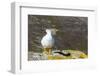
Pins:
<point x="51" y="31"/>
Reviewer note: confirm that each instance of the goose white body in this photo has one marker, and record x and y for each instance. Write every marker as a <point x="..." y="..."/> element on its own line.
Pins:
<point x="48" y="40"/>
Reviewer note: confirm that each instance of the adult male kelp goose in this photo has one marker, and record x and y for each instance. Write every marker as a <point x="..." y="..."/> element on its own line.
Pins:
<point x="48" y="41"/>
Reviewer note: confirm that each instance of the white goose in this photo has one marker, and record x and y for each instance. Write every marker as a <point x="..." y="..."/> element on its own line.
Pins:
<point x="48" y="41"/>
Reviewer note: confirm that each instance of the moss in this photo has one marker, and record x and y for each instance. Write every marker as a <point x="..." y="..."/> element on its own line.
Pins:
<point x="75" y="54"/>
<point x="83" y="56"/>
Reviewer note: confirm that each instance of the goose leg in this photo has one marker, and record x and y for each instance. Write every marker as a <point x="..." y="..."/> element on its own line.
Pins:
<point x="50" y="49"/>
<point x="45" y="51"/>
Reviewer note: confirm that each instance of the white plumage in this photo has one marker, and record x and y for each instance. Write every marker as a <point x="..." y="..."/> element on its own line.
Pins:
<point x="47" y="41"/>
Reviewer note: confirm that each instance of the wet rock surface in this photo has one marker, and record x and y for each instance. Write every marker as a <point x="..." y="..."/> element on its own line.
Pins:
<point x="69" y="54"/>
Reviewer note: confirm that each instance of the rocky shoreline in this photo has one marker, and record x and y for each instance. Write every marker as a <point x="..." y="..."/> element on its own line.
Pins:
<point x="72" y="54"/>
